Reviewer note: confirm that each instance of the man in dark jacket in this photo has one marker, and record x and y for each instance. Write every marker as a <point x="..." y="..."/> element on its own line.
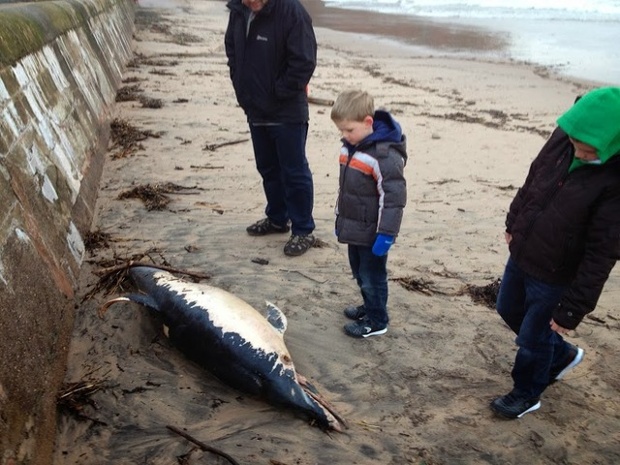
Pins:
<point x="271" y="51"/>
<point x="563" y="232"/>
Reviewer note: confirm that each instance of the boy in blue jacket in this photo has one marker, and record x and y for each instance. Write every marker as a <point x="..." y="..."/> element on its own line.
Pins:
<point x="371" y="199"/>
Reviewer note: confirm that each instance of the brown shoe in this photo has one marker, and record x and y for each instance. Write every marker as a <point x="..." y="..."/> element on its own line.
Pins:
<point x="266" y="226"/>
<point x="298" y="245"/>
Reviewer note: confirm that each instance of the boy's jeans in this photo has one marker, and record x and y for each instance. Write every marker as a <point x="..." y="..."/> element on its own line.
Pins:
<point x="371" y="275"/>
<point x="280" y="153"/>
<point x="526" y="304"/>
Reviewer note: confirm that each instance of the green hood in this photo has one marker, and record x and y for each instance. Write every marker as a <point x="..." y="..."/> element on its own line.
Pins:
<point x="595" y="120"/>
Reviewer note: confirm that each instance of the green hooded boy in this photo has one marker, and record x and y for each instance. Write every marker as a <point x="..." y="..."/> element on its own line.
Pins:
<point x="563" y="234"/>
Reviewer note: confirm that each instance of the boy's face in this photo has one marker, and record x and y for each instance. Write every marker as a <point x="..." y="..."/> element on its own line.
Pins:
<point x="583" y="151"/>
<point x="355" y="131"/>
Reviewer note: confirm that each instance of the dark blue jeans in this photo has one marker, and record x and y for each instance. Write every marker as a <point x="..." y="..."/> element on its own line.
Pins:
<point x="526" y="304"/>
<point x="370" y="272"/>
<point x="280" y="153"/>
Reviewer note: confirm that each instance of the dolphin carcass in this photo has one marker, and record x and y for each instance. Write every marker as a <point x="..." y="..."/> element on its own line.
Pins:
<point x="231" y="339"/>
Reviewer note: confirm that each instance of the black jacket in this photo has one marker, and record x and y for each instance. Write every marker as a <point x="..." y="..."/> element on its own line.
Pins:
<point x="271" y="66"/>
<point x="565" y="226"/>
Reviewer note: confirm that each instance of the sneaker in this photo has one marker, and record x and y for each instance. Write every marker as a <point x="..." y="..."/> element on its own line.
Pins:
<point x="575" y="359"/>
<point x="355" y="313"/>
<point x="363" y="328"/>
<point x="298" y="245"/>
<point x="266" y="226"/>
<point x="514" y="406"/>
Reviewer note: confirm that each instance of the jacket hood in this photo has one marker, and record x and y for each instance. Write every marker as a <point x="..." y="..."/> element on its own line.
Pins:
<point x="594" y="119"/>
<point x="384" y="129"/>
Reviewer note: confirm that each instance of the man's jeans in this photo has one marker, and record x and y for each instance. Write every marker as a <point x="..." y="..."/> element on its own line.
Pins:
<point x="280" y="153"/>
<point x="371" y="275"/>
<point x="526" y="304"/>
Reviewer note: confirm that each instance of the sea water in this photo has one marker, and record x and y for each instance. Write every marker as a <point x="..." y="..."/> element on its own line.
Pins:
<point x="579" y="38"/>
<point x="581" y="10"/>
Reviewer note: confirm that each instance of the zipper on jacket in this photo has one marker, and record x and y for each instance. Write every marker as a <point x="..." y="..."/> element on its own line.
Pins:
<point x="344" y="177"/>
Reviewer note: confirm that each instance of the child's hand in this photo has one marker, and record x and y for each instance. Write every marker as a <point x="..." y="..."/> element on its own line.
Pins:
<point x="382" y="244"/>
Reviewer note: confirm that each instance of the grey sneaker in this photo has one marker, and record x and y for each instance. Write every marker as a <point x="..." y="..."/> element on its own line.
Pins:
<point x="355" y="313"/>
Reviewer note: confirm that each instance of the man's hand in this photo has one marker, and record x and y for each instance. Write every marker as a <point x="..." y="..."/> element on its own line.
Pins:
<point x="557" y="328"/>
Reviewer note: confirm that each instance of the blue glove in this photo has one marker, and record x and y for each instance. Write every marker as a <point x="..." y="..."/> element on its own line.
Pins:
<point x="382" y="244"/>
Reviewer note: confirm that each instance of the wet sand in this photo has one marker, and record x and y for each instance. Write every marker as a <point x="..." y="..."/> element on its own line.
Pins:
<point x="425" y="33"/>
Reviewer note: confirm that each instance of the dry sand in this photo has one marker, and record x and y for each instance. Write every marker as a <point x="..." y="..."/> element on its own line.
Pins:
<point x="418" y="394"/>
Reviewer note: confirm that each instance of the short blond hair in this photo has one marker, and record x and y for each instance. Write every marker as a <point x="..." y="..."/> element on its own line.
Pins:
<point x="353" y="105"/>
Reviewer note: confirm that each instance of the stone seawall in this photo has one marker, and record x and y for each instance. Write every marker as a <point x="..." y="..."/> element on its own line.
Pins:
<point x="61" y="63"/>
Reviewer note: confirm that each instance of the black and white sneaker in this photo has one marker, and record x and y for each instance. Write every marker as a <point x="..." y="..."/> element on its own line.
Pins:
<point x="514" y="406"/>
<point x="355" y="313"/>
<point x="577" y="354"/>
<point x="363" y="328"/>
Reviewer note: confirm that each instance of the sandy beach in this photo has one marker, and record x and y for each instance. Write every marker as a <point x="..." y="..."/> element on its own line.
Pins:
<point x="417" y="395"/>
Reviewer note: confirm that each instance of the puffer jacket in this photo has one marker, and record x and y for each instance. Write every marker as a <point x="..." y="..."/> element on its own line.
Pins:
<point x="271" y="63"/>
<point x="565" y="226"/>
<point x="373" y="190"/>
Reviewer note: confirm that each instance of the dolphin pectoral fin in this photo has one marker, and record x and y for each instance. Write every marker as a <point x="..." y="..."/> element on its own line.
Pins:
<point x="276" y="318"/>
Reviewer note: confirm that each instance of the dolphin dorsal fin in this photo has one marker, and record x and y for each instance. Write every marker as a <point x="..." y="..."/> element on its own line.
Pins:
<point x="276" y="318"/>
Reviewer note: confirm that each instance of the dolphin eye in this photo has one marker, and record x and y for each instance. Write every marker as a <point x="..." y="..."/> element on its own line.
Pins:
<point x="286" y="358"/>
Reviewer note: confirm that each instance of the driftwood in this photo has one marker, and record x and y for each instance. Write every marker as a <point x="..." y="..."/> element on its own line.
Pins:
<point x="214" y="147"/>
<point x="115" y="269"/>
<point x="111" y="279"/>
<point x="73" y="397"/>
<point x="206" y="167"/>
<point x="321" y="101"/>
<point x="202" y="445"/>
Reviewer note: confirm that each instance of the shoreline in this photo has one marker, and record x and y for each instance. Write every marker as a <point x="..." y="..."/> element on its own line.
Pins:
<point x="545" y="44"/>
<point x="424" y="33"/>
